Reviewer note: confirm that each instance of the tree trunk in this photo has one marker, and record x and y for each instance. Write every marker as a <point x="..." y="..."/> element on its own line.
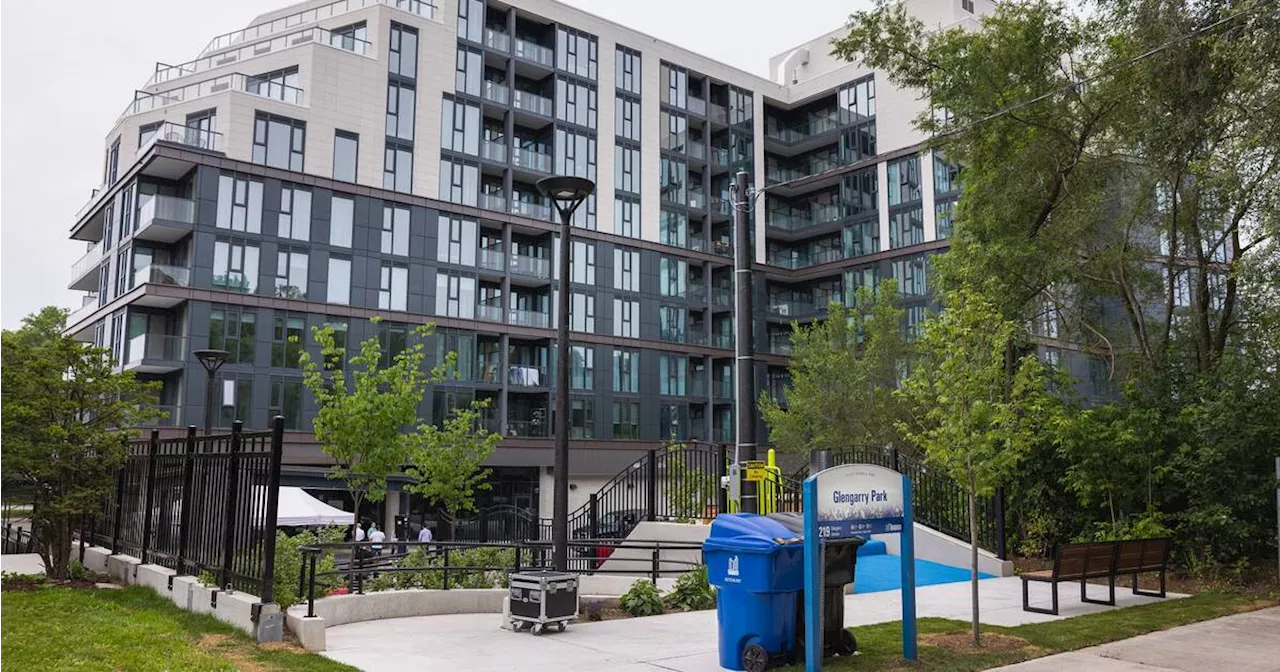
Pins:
<point x="973" y="541"/>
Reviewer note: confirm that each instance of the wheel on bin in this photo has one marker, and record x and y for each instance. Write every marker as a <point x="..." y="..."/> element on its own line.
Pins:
<point x="755" y="658"/>
<point x="560" y="625"/>
<point x="848" y="643"/>
<point x="538" y="629"/>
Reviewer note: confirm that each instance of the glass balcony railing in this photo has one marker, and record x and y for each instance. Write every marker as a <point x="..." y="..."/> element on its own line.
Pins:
<point x="494" y="151"/>
<point x="816" y="124"/>
<point x="532" y="51"/>
<point x="531" y="102"/>
<point x="530" y="159"/>
<point x="696" y="337"/>
<point x="163" y="274"/>
<point x="723" y="341"/>
<point x="147" y="102"/>
<point x="87" y="308"/>
<point x="494" y="201"/>
<point x="798" y="219"/>
<point x="489" y="313"/>
<point x="528" y="318"/>
<point x="497" y="40"/>
<point x="673" y="334"/>
<point x="498" y="93"/>
<point x="523" y="375"/>
<point x="780" y="343"/>
<point x="723" y="248"/>
<point x="722" y="296"/>
<point x="697" y="106"/>
<point x="87" y="263"/>
<point x="259" y="47"/>
<point x="257" y="32"/>
<point x="717" y="113"/>
<point x="800" y="308"/>
<point x="530" y="429"/>
<point x="155" y="347"/>
<point x="533" y="267"/>
<point x="491" y="259"/>
<point x="697" y="292"/>
<point x="165" y="208"/>
<point x="697" y="386"/>
<point x="530" y="209"/>
<point x="187" y="136"/>
<point x="720" y="156"/>
<point x="805" y="260"/>
<point x="722" y="389"/>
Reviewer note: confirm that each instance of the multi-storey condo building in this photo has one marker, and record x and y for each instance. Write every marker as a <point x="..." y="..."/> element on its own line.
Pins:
<point x="342" y="160"/>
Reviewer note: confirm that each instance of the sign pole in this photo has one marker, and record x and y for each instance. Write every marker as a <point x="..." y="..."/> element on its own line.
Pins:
<point x="812" y="578"/>
<point x="908" y="555"/>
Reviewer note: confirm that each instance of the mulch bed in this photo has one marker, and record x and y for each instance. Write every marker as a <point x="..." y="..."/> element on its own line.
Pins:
<point x="962" y="642"/>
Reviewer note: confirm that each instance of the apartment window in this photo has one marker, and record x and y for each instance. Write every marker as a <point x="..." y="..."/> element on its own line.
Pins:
<point x="122" y="271"/>
<point x="858" y="278"/>
<point x="459" y="182"/>
<point x="627" y="70"/>
<point x="395" y="230"/>
<point x="464" y="346"/>
<point x="946" y="175"/>
<point x="673" y="276"/>
<point x="576" y="103"/>
<point x="675" y="134"/>
<point x="291" y="274"/>
<point x="397" y="168"/>
<point x="626" y="318"/>
<point x="585" y="216"/>
<point x="862" y="238"/>
<point x="346" y="149"/>
<point x="295" y="214"/>
<point x="626" y="270"/>
<point x="233" y="330"/>
<point x="460" y="128"/>
<point x="671" y="322"/>
<point x="112" y="169"/>
<point x="341" y="221"/>
<point x="943" y="214"/>
<point x="627" y="118"/>
<point x="278" y="141"/>
<point x="626" y="168"/>
<point x="676" y="86"/>
<point x="967" y="5"/>
<point x="393" y="339"/>
<point x="626" y="216"/>
<point x="456" y="241"/>
<point x="286" y="340"/>
<point x="339" y="290"/>
<point x="911" y="275"/>
<point x="582" y="263"/>
<point x="582" y="367"/>
<point x="576" y="52"/>
<point x="471" y="20"/>
<point x="858" y="98"/>
<point x="582" y="313"/>
<point x="341" y="329"/>
<point x="280" y="85"/>
<point x="202" y="128"/>
<point x="403" y="57"/>
<point x="673" y="228"/>
<point x="673" y="375"/>
<point x="626" y="370"/>
<point x="286" y="401"/>
<point x="235" y="266"/>
<point x="393" y="287"/>
<point x="235" y="400"/>
<point x="915" y="322"/>
<point x="349" y="37"/>
<point x="455" y="296"/>
<point x="582" y="424"/>
<point x="674" y="179"/>
<point x="858" y="192"/>
<point x="470" y="71"/>
<point x="146" y="133"/>
<point x="904" y="180"/>
<point x="906" y="228"/>
<point x="626" y="420"/>
<point x="575" y="154"/>
<point x="400" y="110"/>
<point x="239" y="204"/>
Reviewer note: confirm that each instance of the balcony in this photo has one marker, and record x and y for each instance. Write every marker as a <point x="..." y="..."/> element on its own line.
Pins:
<point x="673" y="334"/>
<point x="805" y="260"/>
<point x="722" y="341"/>
<point x="722" y="389"/>
<point x="491" y="259"/>
<point x="422" y="8"/>
<point x="722" y="248"/>
<point x="497" y="40"/>
<point x="530" y="429"/>
<point x="780" y="342"/>
<point x="697" y="292"/>
<point x="488" y="313"/>
<point x="494" y="151"/>
<point x="531" y="267"/>
<point x="84" y="273"/>
<point x="529" y="318"/>
<point x="696" y="337"/>
<point x="532" y="102"/>
<point x="818" y="305"/>
<point x="817" y="124"/>
<point x="165" y="73"/>
<point x="535" y="53"/>
<point x="530" y="209"/>
<point x="148" y="102"/>
<point x="527" y="158"/>
<point x="164" y="274"/>
<point x="522" y="375"/>
<point x="187" y="136"/>
<point x="697" y="106"/>
<point x="722" y="297"/>
<point x="89" y="306"/>
<point x="498" y="93"/>
<point x="697" y="385"/>
<point x="717" y="113"/>
<point x="799" y="219"/>
<point x="165" y="219"/>
<point x="154" y="353"/>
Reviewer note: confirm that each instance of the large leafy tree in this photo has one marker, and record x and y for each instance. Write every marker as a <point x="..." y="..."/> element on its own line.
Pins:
<point x="447" y="462"/>
<point x="843" y="372"/>
<point x="67" y="417"/>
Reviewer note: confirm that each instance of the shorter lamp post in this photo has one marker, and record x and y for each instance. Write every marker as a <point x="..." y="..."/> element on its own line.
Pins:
<point x="211" y="360"/>
<point x="566" y="193"/>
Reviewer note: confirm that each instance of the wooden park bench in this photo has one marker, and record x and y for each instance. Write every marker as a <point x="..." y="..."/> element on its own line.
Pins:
<point x="1101" y="560"/>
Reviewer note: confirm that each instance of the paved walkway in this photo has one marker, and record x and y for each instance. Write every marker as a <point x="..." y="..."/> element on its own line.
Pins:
<point x="22" y="563"/>
<point x="674" y="642"/>
<point x="1241" y="643"/>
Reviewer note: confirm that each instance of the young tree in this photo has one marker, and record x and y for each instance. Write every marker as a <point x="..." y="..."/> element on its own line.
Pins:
<point x="67" y="417"/>
<point x="973" y="420"/>
<point x="447" y="462"/>
<point x="368" y="406"/>
<point x="843" y="372"/>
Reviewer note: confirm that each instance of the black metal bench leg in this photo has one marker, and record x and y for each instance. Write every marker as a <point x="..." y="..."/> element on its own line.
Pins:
<point x="1149" y="593"/>
<point x="1084" y="597"/>
<point x="1026" y="603"/>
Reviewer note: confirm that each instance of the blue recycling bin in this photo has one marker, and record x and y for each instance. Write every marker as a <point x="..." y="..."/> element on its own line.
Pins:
<point x="757" y="565"/>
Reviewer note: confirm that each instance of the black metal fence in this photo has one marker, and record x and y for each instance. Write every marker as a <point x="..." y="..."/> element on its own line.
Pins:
<point x="17" y="540"/>
<point x="198" y="504"/>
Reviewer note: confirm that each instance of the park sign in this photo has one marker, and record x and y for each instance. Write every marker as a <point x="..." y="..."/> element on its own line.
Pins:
<point x="855" y="500"/>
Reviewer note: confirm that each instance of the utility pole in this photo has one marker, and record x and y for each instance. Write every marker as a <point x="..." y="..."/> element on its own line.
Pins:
<point x="744" y="343"/>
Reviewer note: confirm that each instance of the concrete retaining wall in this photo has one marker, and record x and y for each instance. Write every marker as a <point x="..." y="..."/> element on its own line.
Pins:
<point x="342" y="609"/>
<point x="935" y="546"/>
<point x="639" y="562"/>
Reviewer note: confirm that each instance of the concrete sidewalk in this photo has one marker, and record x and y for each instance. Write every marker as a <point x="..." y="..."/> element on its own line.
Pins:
<point x="1241" y="643"/>
<point x="680" y="642"/>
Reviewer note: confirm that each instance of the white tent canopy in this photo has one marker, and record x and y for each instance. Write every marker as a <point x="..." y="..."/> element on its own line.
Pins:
<point x="298" y="509"/>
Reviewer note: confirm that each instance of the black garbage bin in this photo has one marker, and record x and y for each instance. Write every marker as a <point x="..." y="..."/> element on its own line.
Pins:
<point x="839" y="563"/>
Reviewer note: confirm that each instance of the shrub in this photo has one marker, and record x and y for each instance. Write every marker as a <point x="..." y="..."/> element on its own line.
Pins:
<point x="594" y="610"/>
<point x="642" y="599"/>
<point x="289" y="564"/>
<point x="421" y="569"/>
<point x="77" y="571"/>
<point x="692" y="592"/>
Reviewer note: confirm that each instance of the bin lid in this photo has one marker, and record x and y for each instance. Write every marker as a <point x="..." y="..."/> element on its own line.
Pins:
<point x="795" y="522"/>
<point x="747" y="532"/>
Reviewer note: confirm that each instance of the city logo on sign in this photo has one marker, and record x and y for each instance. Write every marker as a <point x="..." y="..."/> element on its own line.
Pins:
<point x="733" y="565"/>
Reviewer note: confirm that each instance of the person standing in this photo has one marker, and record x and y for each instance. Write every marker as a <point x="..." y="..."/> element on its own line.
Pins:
<point x="376" y="536"/>
<point x="424" y="535"/>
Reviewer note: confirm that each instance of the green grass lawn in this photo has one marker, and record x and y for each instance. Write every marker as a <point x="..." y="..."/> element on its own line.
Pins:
<point x="55" y="628"/>
<point x="944" y="643"/>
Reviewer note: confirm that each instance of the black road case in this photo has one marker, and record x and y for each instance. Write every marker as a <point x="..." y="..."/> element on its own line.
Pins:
<point x="541" y="598"/>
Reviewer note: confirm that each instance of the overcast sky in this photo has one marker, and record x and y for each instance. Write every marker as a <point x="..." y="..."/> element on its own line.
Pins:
<point x="68" y="67"/>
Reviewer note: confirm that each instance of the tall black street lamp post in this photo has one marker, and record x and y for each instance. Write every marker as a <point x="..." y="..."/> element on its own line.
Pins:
<point x="566" y="193"/>
<point x="211" y="360"/>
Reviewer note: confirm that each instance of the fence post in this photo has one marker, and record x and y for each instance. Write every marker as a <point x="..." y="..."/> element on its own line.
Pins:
<point x="311" y="589"/>
<point x="150" y="496"/>
<point x="656" y="561"/>
<point x="184" y="513"/>
<point x="896" y="462"/>
<point x="83" y="518"/>
<point x="229" y="510"/>
<point x="1000" y="531"/>
<point x="270" y="517"/>
<point x="445" y="580"/>
<point x="593" y="516"/>
<point x="115" y="524"/>
<point x="651" y="486"/>
<point x="722" y="470"/>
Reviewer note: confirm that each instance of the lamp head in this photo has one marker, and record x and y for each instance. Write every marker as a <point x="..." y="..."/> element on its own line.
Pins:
<point x="565" y="191"/>
<point x="212" y="360"/>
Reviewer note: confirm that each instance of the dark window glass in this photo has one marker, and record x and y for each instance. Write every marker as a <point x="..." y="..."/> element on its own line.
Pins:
<point x="278" y="141"/>
<point x="286" y="340"/>
<point x="286" y="400"/>
<point x="403" y="58"/>
<point x="346" y="150"/>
